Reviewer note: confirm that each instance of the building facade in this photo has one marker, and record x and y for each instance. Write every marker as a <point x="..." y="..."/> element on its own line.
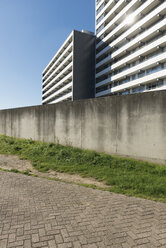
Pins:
<point x="70" y="75"/>
<point x="130" y="46"/>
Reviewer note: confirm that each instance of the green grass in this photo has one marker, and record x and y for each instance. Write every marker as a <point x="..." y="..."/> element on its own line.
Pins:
<point x="126" y="176"/>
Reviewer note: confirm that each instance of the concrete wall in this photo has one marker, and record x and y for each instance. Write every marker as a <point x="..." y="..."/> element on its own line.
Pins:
<point x="133" y="125"/>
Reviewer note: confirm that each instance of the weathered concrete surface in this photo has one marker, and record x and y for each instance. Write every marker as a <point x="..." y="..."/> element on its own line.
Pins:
<point x="133" y="125"/>
<point x="40" y="213"/>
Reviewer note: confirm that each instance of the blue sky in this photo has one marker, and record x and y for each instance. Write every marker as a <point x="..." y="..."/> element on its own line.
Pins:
<point x="31" y="31"/>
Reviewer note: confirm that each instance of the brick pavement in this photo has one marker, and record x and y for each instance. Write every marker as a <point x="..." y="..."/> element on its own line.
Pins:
<point x="39" y="213"/>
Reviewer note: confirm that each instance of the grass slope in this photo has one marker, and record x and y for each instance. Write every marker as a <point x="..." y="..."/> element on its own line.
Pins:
<point x="126" y="176"/>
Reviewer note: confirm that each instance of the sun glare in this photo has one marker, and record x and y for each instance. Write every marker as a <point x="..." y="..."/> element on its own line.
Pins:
<point x="129" y="19"/>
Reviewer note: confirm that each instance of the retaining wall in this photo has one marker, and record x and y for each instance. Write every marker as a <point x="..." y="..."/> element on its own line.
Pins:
<point x="133" y="125"/>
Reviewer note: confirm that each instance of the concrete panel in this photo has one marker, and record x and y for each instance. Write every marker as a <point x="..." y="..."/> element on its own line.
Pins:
<point x="141" y="126"/>
<point x="3" y="122"/>
<point x="68" y="123"/>
<point x="99" y="124"/>
<point x="45" y="123"/>
<point x="73" y="124"/>
<point x="61" y="123"/>
<point x="15" y="122"/>
<point x="8" y="123"/>
<point x="26" y="123"/>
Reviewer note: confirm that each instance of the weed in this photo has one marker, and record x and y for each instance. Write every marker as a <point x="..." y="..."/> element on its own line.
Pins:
<point x="27" y="172"/>
<point x="14" y="170"/>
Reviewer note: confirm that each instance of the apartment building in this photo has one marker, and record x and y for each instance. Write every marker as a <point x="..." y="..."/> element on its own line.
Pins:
<point x="70" y="75"/>
<point x="130" y="46"/>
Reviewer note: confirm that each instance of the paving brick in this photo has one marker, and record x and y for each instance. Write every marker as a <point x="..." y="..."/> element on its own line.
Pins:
<point x="163" y="241"/>
<point x="90" y="246"/>
<point x="77" y="244"/>
<point x="65" y="245"/>
<point x="27" y="226"/>
<point x="4" y="236"/>
<point x="58" y="239"/>
<point x="20" y="231"/>
<point x="48" y="227"/>
<point x="12" y="237"/>
<point x="3" y="243"/>
<point x="35" y="238"/>
<point x="42" y="232"/>
<point x="27" y="244"/>
<point x="39" y="244"/>
<point x="64" y="233"/>
<point x="16" y="244"/>
<point x="24" y="237"/>
<point x="46" y="238"/>
<point x="51" y="244"/>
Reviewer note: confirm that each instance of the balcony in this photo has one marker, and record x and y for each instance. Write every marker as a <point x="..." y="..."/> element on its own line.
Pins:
<point x="62" y="57"/>
<point x="66" y="70"/>
<point x="59" y="52"/>
<point x="65" y="62"/>
<point x="63" y="98"/>
<point x="58" y="85"/>
<point x="59" y="92"/>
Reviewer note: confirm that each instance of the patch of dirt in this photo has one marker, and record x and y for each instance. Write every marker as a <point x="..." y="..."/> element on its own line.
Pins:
<point x="13" y="162"/>
<point x="9" y="162"/>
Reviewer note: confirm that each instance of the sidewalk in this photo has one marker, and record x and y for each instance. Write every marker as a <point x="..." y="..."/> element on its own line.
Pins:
<point x="40" y="213"/>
